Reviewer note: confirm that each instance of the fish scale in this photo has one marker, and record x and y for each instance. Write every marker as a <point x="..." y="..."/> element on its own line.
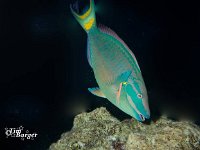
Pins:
<point x="105" y="55"/>
<point x="119" y="64"/>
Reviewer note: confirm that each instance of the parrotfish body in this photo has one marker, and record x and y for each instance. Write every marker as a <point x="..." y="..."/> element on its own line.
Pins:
<point x="115" y="67"/>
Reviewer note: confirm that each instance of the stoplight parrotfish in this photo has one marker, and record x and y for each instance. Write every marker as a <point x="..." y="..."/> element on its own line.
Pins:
<point x="114" y="65"/>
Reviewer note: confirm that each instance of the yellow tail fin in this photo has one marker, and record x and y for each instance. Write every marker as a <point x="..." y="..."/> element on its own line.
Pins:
<point x="86" y="20"/>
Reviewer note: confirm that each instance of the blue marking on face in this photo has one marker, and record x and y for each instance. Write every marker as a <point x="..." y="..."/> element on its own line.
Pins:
<point x="136" y="99"/>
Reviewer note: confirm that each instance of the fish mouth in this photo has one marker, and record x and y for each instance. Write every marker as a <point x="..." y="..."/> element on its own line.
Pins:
<point x="142" y="117"/>
<point x="80" y="6"/>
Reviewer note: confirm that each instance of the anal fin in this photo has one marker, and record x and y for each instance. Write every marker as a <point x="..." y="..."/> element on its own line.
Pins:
<point x="88" y="52"/>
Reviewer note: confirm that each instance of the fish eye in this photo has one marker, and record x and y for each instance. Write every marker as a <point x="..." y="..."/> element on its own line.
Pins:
<point x="139" y="95"/>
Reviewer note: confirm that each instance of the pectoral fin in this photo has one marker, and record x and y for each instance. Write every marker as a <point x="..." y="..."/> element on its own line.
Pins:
<point x="119" y="93"/>
<point x="96" y="91"/>
<point x="122" y="79"/>
<point x="124" y="76"/>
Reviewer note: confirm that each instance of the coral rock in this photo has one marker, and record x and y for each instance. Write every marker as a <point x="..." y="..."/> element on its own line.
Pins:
<point x="98" y="130"/>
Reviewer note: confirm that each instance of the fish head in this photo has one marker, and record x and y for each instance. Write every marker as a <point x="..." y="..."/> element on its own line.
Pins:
<point x="136" y="96"/>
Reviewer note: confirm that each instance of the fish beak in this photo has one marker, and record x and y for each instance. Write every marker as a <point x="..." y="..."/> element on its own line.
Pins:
<point x="140" y="109"/>
<point x="142" y="117"/>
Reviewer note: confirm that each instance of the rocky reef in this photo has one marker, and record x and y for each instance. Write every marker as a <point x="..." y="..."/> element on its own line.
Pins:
<point x="98" y="130"/>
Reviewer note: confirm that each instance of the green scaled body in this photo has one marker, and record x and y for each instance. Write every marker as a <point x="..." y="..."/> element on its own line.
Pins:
<point x="115" y="68"/>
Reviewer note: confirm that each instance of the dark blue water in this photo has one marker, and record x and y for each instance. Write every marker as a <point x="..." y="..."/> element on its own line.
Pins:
<point x="45" y="74"/>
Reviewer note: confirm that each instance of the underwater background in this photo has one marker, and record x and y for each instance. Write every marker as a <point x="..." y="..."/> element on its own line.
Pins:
<point x="45" y="74"/>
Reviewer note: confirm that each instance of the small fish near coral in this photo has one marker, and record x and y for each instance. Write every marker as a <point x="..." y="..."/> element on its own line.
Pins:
<point x="114" y="65"/>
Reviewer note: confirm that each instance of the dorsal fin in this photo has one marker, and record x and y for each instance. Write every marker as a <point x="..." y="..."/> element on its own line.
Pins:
<point x="109" y="31"/>
<point x="112" y="33"/>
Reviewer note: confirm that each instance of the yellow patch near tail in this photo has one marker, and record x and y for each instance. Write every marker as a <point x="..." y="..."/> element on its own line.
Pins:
<point x="89" y="24"/>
